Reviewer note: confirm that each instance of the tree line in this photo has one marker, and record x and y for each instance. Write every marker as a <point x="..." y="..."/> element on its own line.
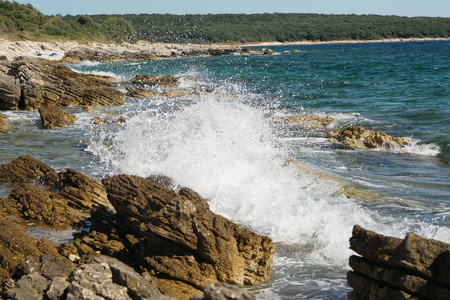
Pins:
<point x="26" y="21"/>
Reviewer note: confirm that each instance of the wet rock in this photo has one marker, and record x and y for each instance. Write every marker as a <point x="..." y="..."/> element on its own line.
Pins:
<point x="392" y="268"/>
<point x="222" y="291"/>
<point x="53" y="117"/>
<point x="185" y="245"/>
<point x="355" y="137"/>
<point x="30" y="83"/>
<point x="306" y="121"/>
<point x="27" y="169"/>
<point x="105" y="121"/>
<point x="155" y="80"/>
<point x="82" y="191"/>
<point x="42" y="207"/>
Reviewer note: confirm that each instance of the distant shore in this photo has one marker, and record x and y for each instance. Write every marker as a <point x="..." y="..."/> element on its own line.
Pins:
<point x="337" y="42"/>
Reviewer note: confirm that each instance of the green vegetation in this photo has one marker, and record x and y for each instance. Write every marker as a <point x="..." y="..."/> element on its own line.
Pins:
<point x="24" y="21"/>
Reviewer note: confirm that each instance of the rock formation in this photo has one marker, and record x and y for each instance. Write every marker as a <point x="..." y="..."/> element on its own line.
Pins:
<point x="392" y="268"/>
<point x="306" y="121"/>
<point x="186" y="245"/>
<point x="3" y="126"/>
<point x="155" y="80"/>
<point x="53" y="117"/>
<point x="31" y="83"/>
<point x="27" y="169"/>
<point x="170" y="237"/>
<point x="355" y="137"/>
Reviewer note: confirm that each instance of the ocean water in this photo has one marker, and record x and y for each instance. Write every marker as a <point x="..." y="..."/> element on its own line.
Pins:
<point x="283" y="181"/>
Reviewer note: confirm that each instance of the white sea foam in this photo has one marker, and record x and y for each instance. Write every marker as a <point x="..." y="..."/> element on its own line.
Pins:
<point x="226" y="151"/>
<point x="420" y="149"/>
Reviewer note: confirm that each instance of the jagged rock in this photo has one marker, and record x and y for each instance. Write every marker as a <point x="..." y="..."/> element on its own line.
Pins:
<point x="306" y="121"/>
<point x="222" y="291"/>
<point x="392" y="268"/>
<point x="16" y="245"/>
<point x="155" y="80"/>
<point x="187" y="245"/>
<point x="108" y="278"/>
<point x="355" y="137"/>
<point x="105" y="121"/>
<point x="82" y="191"/>
<point x="53" y="117"/>
<point x="27" y="169"/>
<point x="31" y="83"/>
<point x="41" y="206"/>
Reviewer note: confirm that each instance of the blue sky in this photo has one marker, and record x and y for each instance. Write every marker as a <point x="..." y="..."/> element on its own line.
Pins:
<point x="410" y="8"/>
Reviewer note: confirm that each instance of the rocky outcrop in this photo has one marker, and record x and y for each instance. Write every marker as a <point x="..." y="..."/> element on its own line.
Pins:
<point x="306" y="121"/>
<point x="27" y="169"/>
<point x="355" y="137"/>
<point x="96" y="278"/>
<point x="53" y="117"/>
<point x="31" y="83"/>
<point x="392" y="268"/>
<point x="222" y="291"/>
<point x="155" y="80"/>
<point x="166" y="93"/>
<point x="184" y="244"/>
<point x="16" y="245"/>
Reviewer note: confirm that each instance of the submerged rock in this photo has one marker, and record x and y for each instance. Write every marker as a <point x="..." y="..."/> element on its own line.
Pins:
<point x="27" y="169"/>
<point x="392" y="268"/>
<point x="355" y="137"/>
<point x="53" y="117"/>
<point x="3" y="126"/>
<point x="186" y="245"/>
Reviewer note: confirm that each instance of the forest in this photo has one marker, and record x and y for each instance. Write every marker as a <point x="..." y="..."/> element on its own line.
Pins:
<point x="24" y="21"/>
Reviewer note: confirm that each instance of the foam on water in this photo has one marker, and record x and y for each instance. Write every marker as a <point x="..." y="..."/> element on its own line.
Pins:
<point x="227" y="152"/>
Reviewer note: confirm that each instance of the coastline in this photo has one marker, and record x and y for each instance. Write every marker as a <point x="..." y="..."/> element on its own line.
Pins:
<point x="398" y="40"/>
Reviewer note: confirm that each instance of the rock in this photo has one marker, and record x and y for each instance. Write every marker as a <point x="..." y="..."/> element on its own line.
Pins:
<point x="166" y="93"/>
<point x="42" y="207"/>
<point x="53" y="117"/>
<point x="16" y="245"/>
<point x="306" y="121"/>
<point x="355" y="137"/>
<point x="392" y="268"/>
<point x="222" y="291"/>
<point x="27" y="169"/>
<point x="97" y="278"/>
<point x="108" y="278"/>
<point x="31" y="83"/>
<point x="82" y="191"/>
<point x="105" y="121"/>
<point x="3" y="126"/>
<point x="186" y="245"/>
<point x="155" y="80"/>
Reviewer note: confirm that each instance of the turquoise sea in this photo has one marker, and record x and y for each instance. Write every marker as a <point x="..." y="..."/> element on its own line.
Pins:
<point x="283" y="181"/>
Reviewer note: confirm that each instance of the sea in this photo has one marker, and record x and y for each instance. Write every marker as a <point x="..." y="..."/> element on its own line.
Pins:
<point x="285" y="181"/>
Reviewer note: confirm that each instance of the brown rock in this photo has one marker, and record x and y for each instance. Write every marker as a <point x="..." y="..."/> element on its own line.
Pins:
<point x="186" y="242"/>
<point x="28" y="169"/>
<point x="415" y="265"/>
<point x="306" y="121"/>
<point x="167" y="93"/>
<point x="82" y="191"/>
<point x="355" y="137"/>
<point x="155" y="80"/>
<point x="53" y="117"/>
<point x="42" y="207"/>
<point x="3" y="126"/>
<point x="16" y="245"/>
<point x="30" y="83"/>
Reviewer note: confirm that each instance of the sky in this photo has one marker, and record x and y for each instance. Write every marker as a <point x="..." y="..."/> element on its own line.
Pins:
<point x="409" y="8"/>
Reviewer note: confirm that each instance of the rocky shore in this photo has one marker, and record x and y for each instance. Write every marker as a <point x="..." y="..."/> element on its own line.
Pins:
<point x="139" y="238"/>
<point x="146" y="238"/>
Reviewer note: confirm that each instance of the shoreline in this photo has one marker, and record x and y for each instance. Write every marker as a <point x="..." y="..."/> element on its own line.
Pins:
<point x="299" y="43"/>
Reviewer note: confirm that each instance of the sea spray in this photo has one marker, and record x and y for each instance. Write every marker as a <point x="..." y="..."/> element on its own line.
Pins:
<point x="227" y="151"/>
